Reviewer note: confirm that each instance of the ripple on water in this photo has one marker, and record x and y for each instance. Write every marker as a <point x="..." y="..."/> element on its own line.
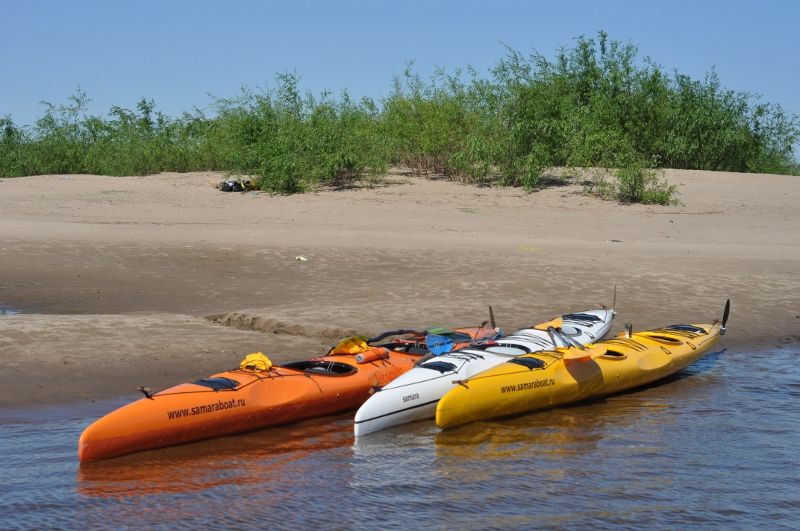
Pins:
<point x="716" y="445"/>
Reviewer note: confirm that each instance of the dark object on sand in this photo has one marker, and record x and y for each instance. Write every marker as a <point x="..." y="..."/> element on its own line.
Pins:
<point x="236" y="185"/>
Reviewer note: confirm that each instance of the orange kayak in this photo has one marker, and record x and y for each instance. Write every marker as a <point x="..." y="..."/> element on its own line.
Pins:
<point x="255" y="397"/>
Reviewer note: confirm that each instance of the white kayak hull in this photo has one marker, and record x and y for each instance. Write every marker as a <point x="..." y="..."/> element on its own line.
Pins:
<point x="413" y="395"/>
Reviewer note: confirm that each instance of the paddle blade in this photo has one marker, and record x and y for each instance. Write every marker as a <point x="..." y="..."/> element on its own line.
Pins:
<point x="614" y="301"/>
<point x="438" y="344"/>
<point x="491" y="317"/>
<point x="726" y="313"/>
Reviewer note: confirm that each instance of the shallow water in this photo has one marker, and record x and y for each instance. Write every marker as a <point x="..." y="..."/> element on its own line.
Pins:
<point x="716" y="446"/>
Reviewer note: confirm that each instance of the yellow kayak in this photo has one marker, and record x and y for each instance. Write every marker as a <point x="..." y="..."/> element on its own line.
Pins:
<point x="565" y="375"/>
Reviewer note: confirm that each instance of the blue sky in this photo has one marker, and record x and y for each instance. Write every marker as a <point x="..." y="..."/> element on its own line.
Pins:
<point x="178" y="52"/>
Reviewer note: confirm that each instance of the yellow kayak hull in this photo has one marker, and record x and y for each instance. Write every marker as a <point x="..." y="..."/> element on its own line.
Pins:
<point x="552" y="378"/>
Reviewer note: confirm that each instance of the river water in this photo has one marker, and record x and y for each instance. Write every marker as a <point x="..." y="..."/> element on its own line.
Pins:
<point x="716" y="446"/>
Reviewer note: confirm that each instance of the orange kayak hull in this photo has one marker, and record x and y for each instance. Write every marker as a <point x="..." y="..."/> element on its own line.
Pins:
<point x="245" y="401"/>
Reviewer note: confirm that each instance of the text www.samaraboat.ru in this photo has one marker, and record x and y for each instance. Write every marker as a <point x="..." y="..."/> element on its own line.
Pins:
<point x="207" y="408"/>
<point x="527" y="386"/>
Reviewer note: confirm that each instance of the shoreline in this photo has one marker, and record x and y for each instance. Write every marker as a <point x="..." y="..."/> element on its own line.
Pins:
<point x="213" y="348"/>
<point x="125" y="270"/>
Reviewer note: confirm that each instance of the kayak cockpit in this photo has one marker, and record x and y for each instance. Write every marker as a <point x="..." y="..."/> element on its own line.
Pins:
<point x="406" y="347"/>
<point x="441" y="366"/>
<point x="509" y="349"/>
<point x="686" y="328"/>
<point x="661" y="338"/>
<point x="582" y="318"/>
<point x="217" y="383"/>
<point x="321" y="367"/>
<point x="530" y="363"/>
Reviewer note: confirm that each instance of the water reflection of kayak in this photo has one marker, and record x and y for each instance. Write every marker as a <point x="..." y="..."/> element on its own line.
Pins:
<point x="277" y="455"/>
<point x="259" y="395"/>
<point x="566" y="375"/>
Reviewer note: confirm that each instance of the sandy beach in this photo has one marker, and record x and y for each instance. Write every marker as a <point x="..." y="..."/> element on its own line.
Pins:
<point x="128" y="281"/>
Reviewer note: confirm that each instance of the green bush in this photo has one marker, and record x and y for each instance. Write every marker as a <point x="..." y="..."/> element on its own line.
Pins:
<point x="593" y="105"/>
<point x="292" y="142"/>
<point x="638" y="184"/>
<point x="446" y="126"/>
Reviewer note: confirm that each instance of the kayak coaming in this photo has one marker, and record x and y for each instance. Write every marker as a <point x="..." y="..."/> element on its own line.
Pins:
<point x="628" y="362"/>
<point x="191" y="412"/>
<point x="413" y="395"/>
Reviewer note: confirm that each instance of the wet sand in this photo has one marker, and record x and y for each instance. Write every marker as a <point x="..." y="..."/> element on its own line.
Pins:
<point x="128" y="281"/>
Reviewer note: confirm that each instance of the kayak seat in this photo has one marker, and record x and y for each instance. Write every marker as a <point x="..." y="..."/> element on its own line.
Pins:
<point x="321" y="367"/>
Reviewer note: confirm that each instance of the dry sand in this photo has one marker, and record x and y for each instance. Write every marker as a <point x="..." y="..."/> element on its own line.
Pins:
<point x="127" y="281"/>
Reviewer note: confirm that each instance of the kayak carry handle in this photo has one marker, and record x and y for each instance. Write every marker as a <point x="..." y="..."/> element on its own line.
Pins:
<point x="146" y="392"/>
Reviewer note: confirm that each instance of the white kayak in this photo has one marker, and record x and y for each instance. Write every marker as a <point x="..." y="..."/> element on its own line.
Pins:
<point x="414" y="394"/>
